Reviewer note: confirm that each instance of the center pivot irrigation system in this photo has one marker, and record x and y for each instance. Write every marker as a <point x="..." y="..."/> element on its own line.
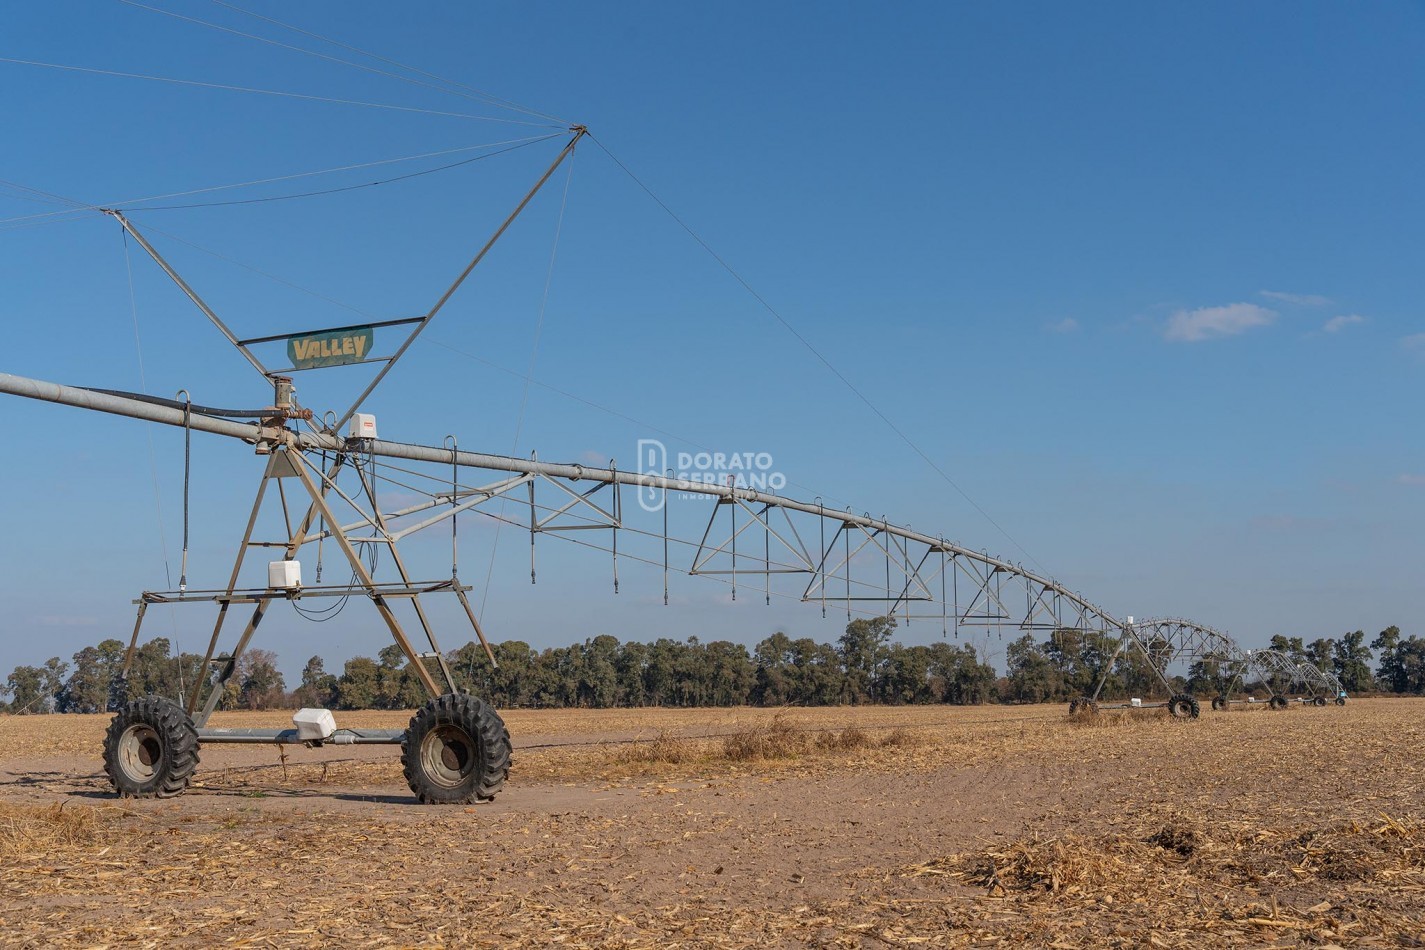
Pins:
<point x="326" y="474"/>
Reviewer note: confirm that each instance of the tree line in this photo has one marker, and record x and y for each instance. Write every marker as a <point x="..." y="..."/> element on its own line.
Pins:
<point x="863" y="666"/>
<point x="1071" y="663"/>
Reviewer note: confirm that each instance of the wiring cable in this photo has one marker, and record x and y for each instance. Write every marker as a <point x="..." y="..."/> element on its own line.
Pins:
<point x="269" y="92"/>
<point x="483" y="98"/>
<point x="344" y="188"/>
<point x="153" y="460"/>
<point x="533" y="356"/>
<point x="129" y="203"/>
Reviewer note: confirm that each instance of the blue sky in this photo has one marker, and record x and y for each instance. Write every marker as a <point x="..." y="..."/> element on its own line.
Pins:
<point x="1143" y="279"/>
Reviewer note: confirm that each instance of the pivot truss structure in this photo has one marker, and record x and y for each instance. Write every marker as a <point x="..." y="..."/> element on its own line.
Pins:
<point x="757" y="543"/>
<point x="1286" y="680"/>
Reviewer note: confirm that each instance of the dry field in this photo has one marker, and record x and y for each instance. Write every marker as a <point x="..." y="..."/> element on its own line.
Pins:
<point x="729" y="828"/>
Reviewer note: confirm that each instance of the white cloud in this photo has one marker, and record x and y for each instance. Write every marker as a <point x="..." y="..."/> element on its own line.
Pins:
<point x="1410" y="479"/>
<point x="1066" y="325"/>
<point x="1206" y="323"/>
<point x="1416" y="341"/>
<point x="1337" y="324"/>
<point x="1300" y="300"/>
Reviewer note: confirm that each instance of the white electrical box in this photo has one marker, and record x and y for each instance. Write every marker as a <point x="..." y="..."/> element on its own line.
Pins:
<point x="1136" y="702"/>
<point x="314" y="724"/>
<point x="284" y="575"/>
<point x="363" y="426"/>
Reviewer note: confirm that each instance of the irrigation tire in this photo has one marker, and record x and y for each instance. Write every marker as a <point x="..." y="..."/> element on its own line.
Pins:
<point x="1219" y="703"/>
<point x="1184" y="706"/>
<point x="456" y="751"/>
<point x="1319" y="701"/>
<point x="1340" y="700"/>
<point x="1278" y="702"/>
<point x="1083" y="705"/>
<point x="151" y="749"/>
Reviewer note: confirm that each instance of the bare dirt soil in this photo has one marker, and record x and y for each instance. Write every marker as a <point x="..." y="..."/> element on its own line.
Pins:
<point x="852" y="827"/>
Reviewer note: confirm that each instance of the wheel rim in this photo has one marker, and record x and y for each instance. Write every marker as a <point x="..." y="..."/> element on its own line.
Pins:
<point x="140" y="752"/>
<point x="448" y="756"/>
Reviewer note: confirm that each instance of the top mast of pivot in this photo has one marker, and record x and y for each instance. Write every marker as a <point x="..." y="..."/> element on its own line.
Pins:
<point x="576" y="133"/>
<point x="579" y="132"/>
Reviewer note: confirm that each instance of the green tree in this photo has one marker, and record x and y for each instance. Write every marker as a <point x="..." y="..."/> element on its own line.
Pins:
<point x="32" y="689"/>
<point x="260" y="684"/>
<point x="959" y="676"/>
<point x="630" y="665"/>
<point x="1082" y="659"/>
<point x="1390" y="675"/>
<point x="731" y="674"/>
<point x="358" y="685"/>
<point x="1351" y="662"/>
<point x="864" y="651"/>
<point x="773" y="657"/>
<point x="87" y="689"/>
<point x="660" y="672"/>
<point x="155" y="672"/>
<point x="1137" y="672"/>
<point x="1291" y="646"/>
<point x="815" y="672"/>
<point x="598" y="684"/>
<point x="564" y="668"/>
<point x="906" y="679"/>
<point x="1410" y="662"/>
<point x="1032" y="677"/>
<point x="318" y="689"/>
<point x="693" y="675"/>
<point x="1320" y="651"/>
<point x="397" y="684"/>
<point x="1208" y="676"/>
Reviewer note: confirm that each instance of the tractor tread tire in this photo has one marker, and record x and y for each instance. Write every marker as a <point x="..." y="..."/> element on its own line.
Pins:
<point x="473" y="729"/>
<point x="1278" y="702"/>
<point x="1184" y="706"/>
<point x="1219" y="703"/>
<point x="162" y="729"/>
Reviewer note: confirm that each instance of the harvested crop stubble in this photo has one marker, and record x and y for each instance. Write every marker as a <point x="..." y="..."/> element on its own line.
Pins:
<point x="1229" y="882"/>
<point x="779" y="745"/>
<point x="1116" y="718"/>
<point x="29" y="829"/>
<point x="886" y="827"/>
